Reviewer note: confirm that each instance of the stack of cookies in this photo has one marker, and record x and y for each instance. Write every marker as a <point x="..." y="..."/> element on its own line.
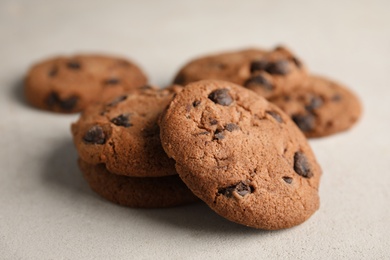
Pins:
<point x="231" y="131"/>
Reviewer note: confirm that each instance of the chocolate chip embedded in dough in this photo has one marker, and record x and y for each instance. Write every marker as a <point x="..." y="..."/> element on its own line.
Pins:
<point x="305" y="122"/>
<point x="280" y="67"/>
<point x="232" y="127"/>
<point x="95" y="135"/>
<point x="275" y="115"/>
<point x="221" y="97"/>
<point x="122" y="120"/>
<point x="259" y="80"/>
<point x="240" y="188"/>
<point x="301" y="165"/>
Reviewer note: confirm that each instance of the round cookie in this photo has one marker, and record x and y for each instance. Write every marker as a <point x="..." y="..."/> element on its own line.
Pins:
<point x="69" y="84"/>
<point x="123" y="133"/>
<point x="241" y="155"/>
<point x="320" y="107"/>
<point x="136" y="192"/>
<point x="268" y="73"/>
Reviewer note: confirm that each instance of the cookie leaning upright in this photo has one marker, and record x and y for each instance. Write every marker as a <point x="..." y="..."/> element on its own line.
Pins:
<point x="124" y="135"/>
<point x="241" y="155"/>
<point x="268" y="73"/>
<point x="69" y="84"/>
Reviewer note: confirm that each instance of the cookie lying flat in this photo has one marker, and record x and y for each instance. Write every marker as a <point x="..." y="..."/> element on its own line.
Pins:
<point x="123" y="134"/>
<point x="241" y="155"/>
<point x="320" y="107"/>
<point x="265" y="72"/>
<point x="137" y="192"/>
<point x="69" y="84"/>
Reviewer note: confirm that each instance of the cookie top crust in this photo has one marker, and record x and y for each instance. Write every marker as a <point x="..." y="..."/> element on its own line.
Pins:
<point x="123" y="133"/>
<point x="241" y="155"/>
<point x="68" y="84"/>
<point x="266" y="72"/>
<point x="320" y="106"/>
<point x="137" y="192"/>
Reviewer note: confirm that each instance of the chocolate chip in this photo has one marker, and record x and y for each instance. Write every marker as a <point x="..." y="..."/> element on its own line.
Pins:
<point x="232" y="127"/>
<point x="301" y="165"/>
<point x="219" y="135"/>
<point x="258" y="65"/>
<point x="213" y="121"/>
<point x="305" y="122"/>
<point x="66" y="104"/>
<point x="121" y="120"/>
<point x="117" y="100"/>
<point x="315" y="103"/>
<point x="287" y="179"/>
<point x="221" y="97"/>
<point x="95" y="135"/>
<point x="275" y="115"/>
<point x="74" y="65"/>
<point x="53" y="72"/>
<point x="259" y="80"/>
<point x="240" y="188"/>
<point x="196" y="103"/>
<point x="297" y="62"/>
<point x="280" y="67"/>
<point x="112" y="81"/>
<point x="336" y="98"/>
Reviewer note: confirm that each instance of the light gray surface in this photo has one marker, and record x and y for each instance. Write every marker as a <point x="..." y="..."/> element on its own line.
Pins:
<point x="48" y="212"/>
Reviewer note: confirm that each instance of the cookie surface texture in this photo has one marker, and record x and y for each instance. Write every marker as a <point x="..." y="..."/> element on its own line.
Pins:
<point x="137" y="192"/>
<point x="69" y="84"/>
<point x="320" y="107"/>
<point x="123" y="134"/>
<point x="267" y="73"/>
<point x="241" y="155"/>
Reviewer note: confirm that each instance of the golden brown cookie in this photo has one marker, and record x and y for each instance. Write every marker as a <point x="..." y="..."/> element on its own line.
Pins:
<point x="320" y="107"/>
<point x="123" y="134"/>
<point x="136" y="192"/>
<point x="69" y="84"/>
<point x="241" y="155"/>
<point x="268" y="73"/>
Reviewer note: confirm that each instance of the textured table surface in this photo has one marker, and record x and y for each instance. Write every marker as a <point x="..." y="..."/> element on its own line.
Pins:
<point x="47" y="211"/>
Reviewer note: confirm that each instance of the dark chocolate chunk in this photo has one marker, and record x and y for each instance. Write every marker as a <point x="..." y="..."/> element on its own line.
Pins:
<point x="219" y="135"/>
<point x="287" y="179"/>
<point x="196" y="103"/>
<point x="53" y="72"/>
<point x="122" y="120"/>
<point x="95" y="135"/>
<point x="74" y="65"/>
<point x="112" y="81"/>
<point x="276" y="116"/>
<point x="305" y="122"/>
<point x="259" y="80"/>
<point x="280" y="67"/>
<point x="117" y="100"/>
<point x="297" y="62"/>
<point x="258" y="65"/>
<point x="336" y="98"/>
<point x="221" y="97"/>
<point x="213" y="121"/>
<point x="232" y="127"/>
<point x="315" y="103"/>
<point x="67" y="104"/>
<point x="301" y="165"/>
<point x="240" y="188"/>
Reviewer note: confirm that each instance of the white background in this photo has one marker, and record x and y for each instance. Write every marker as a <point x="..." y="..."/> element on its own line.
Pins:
<point x="47" y="211"/>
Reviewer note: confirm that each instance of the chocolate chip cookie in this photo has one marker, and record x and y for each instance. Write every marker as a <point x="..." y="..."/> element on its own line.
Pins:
<point x="136" y="192"/>
<point x="241" y="154"/>
<point x="320" y="107"/>
<point x="268" y="73"/>
<point x="124" y="135"/>
<point x="69" y="84"/>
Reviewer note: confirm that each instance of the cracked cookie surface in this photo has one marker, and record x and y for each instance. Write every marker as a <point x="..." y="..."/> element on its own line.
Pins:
<point x="266" y="72"/>
<point x="137" y="192"/>
<point x="69" y="84"/>
<point x="241" y="155"/>
<point x="123" y="133"/>
<point x="320" y="107"/>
